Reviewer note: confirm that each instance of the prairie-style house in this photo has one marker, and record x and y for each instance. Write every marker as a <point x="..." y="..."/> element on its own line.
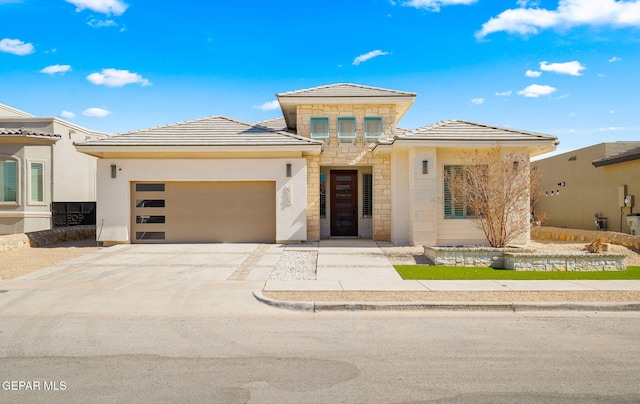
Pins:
<point x="336" y="164"/>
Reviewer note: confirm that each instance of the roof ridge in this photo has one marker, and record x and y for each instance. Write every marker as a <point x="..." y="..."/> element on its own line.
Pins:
<point x="325" y="86"/>
<point x="183" y="123"/>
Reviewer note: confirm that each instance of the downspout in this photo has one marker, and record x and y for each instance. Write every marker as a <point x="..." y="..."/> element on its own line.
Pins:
<point x="51" y="187"/>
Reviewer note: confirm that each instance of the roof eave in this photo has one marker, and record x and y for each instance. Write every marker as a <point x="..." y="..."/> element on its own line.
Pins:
<point x="100" y="150"/>
<point x="610" y="161"/>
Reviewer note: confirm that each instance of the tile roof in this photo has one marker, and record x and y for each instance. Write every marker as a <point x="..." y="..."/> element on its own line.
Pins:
<point x="628" y="155"/>
<point x="346" y="90"/>
<point x="277" y="124"/>
<point x="26" y="132"/>
<point x="210" y="131"/>
<point x="459" y="130"/>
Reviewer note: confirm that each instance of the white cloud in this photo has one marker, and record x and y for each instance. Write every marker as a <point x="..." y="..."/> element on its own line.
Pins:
<point x="612" y="111"/>
<point x="97" y="112"/>
<point x="435" y="5"/>
<point x="612" y="129"/>
<point x="369" y="55"/>
<point x="600" y="75"/>
<point x="572" y="68"/>
<point x="67" y="114"/>
<point x="477" y="101"/>
<point x="615" y="59"/>
<point x="536" y="90"/>
<point x="101" y="23"/>
<point x="117" y="78"/>
<point x="504" y="93"/>
<point x="53" y="69"/>
<point x="570" y="13"/>
<point x="109" y="7"/>
<point x="532" y="73"/>
<point x="268" y="106"/>
<point x="16" y="47"/>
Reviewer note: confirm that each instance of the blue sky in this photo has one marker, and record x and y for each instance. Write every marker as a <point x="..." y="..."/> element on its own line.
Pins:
<point x="568" y="68"/>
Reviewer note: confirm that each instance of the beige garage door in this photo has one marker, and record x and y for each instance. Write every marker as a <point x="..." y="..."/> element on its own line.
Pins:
<point x="203" y="212"/>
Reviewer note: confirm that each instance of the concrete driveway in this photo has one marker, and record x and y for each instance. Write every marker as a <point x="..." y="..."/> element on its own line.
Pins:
<point x="181" y="279"/>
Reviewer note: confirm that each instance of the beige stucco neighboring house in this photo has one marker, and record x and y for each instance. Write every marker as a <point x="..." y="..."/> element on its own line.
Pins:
<point x="40" y="169"/>
<point x="587" y="188"/>
<point x="335" y="165"/>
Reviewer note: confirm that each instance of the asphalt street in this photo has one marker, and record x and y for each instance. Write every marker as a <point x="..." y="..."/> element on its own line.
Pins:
<point x="291" y="357"/>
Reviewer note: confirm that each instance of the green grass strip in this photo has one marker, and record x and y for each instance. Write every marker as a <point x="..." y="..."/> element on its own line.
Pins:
<point x="429" y="272"/>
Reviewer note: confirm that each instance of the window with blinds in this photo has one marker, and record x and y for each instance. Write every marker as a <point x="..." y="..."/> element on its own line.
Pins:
<point x="347" y="128"/>
<point x="320" y="128"/>
<point x="373" y="127"/>
<point x="453" y="206"/>
<point x="323" y="195"/>
<point x="367" y="195"/>
<point x="8" y="181"/>
<point x="37" y="182"/>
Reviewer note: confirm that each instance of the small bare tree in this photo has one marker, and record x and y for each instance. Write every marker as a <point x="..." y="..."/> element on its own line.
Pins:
<point x="494" y="188"/>
<point x="539" y="218"/>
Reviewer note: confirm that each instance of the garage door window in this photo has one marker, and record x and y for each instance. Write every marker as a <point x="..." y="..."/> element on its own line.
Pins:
<point x="150" y="203"/>
<point x="149" y="235"/>
<point x="150" y="219"/>
<point x="150" y="187"/>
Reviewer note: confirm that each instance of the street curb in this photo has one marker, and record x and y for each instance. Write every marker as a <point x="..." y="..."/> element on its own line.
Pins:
<point x="445" y="306"/>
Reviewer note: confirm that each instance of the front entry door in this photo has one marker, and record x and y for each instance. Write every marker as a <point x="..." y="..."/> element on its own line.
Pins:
<point x="344" y="203"/>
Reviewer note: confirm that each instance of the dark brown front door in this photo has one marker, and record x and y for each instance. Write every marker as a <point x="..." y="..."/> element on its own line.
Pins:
<point x="344" y="203"/>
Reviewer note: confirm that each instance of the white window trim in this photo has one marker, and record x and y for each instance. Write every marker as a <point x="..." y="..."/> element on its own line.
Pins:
<point x="18" y="162"/>
<point x="30" y="201"/>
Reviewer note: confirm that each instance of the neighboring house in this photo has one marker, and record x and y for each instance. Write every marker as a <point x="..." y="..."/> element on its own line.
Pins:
<point x="44" y="181"/>
<point x="335" y="165"/>
<point x="586" y="188"/>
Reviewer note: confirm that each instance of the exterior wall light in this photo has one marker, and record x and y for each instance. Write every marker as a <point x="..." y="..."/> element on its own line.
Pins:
<point x="288" y="170"/>
<point x="425" y="166"/>
<point x="113" y="171"/>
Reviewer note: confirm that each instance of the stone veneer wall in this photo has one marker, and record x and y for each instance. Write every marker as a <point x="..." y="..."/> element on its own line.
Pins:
<point x="44" y="237"/>
<point x="343" y="155"/>
<point x="565" y="262"/>
<point x="576" y="235"/>
<point x="313" y="198"/>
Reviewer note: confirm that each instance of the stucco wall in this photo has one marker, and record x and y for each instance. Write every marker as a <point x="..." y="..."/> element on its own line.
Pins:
<point x="74" y="174"/>
<point x="26" y="215"/>
<point x="113" y="208"/>
<point x="463" y="231"/>
<point x="586" y="189"/>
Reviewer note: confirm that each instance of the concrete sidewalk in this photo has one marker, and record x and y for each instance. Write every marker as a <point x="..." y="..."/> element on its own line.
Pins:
<point x="202" y="279"/>
<point x="355" y="274"/>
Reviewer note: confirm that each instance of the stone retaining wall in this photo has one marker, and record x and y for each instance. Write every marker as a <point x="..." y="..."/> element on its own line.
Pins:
<point x="44" y="237"/>
<point x="565" y="262"/>
<point x="466" y="256"/>
<point x="577" y="235"/>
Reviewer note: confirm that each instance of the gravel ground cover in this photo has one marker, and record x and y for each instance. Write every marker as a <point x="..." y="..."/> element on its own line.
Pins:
<point x="15" y="263"/>
<point x="295" y="266"/>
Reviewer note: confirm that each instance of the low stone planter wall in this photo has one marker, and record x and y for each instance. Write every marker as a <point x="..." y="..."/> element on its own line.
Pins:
<point x="467" y="256"/>
<point x="521" y="259"/>
<point x="44" y="237"/>
<point x="568" y="261"/>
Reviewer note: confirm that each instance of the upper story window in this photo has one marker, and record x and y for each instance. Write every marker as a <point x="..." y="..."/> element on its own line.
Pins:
<point x="347" y="128"/>
<point x="320" y="128"/>
<point x="373" y="127"/>
<point x="8" y="181"/>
